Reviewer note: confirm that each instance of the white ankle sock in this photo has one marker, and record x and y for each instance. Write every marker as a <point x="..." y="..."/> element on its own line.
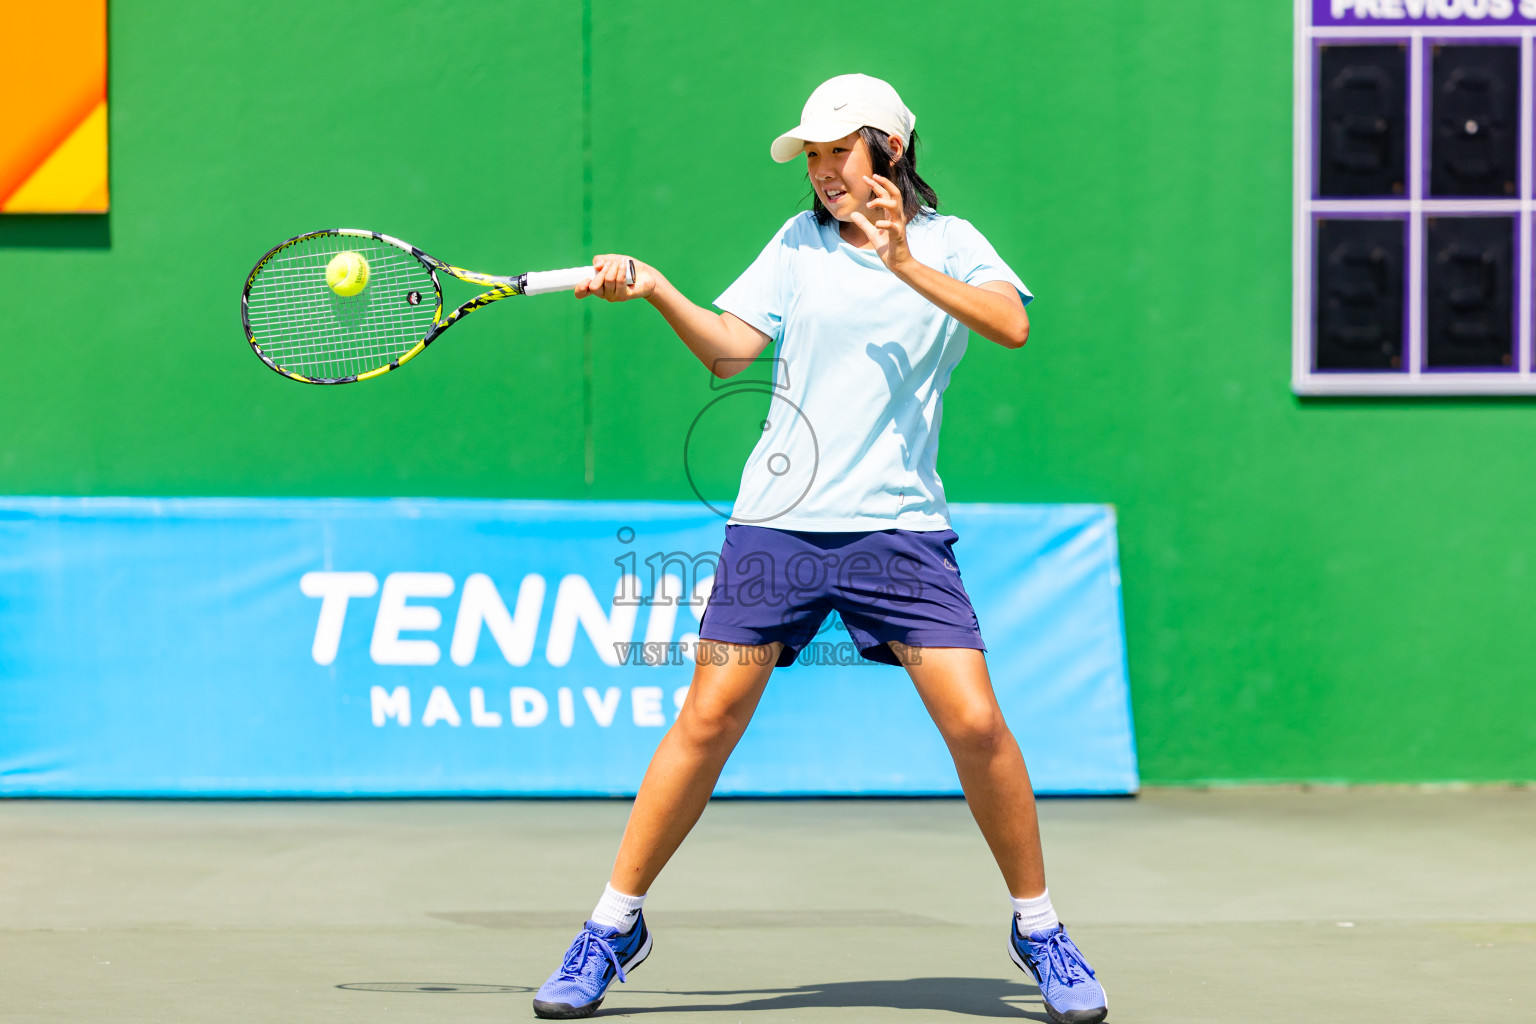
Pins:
<point x="616" y="910"/>
<point x="1033" y="915"/>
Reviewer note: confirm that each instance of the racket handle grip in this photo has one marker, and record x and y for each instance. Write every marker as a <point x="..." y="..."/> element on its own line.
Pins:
<point x="542" y="282"/>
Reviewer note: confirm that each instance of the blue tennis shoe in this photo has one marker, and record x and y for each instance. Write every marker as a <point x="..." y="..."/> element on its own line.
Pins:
<point x="1071" y="992"/>
<point x="596" y="957"/>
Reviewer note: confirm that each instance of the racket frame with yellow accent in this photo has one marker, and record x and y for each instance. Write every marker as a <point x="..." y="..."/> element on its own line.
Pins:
<point x="498" y="287"/>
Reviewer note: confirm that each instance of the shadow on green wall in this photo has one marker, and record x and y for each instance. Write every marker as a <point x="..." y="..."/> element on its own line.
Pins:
<point x="55" y="231"/>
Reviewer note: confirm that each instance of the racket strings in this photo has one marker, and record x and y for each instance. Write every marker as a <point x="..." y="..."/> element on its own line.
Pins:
<point x="309" y="329"/>
<point x="320" y="342"/>
<point x="306" y="328"/>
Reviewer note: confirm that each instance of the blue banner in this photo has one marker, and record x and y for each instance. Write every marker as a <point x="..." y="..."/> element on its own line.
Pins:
<point x="339" y="647"/>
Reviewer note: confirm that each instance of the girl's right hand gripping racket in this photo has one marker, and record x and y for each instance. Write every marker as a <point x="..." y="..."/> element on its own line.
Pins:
<point x="337" y="306"/>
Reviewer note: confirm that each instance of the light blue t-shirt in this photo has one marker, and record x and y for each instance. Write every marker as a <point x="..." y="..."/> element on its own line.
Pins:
<point x="851" y="436"/>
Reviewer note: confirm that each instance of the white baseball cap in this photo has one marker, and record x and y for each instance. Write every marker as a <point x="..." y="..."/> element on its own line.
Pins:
<point x="841" y="106"/>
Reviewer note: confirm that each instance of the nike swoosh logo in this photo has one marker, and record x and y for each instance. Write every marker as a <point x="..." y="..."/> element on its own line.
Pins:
<point x="840" y="106"/>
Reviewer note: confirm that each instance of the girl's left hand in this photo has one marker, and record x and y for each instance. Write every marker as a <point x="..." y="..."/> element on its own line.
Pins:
<point x="889" y="234"/>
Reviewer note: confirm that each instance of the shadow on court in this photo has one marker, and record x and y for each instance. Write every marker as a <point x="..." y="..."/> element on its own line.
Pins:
<point x="976" y="997"/>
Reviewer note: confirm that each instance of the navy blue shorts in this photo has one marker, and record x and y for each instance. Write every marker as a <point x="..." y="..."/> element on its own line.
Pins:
<point x="901" y="585"/>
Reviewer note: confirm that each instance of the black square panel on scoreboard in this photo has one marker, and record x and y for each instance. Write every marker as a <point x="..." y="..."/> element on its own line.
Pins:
<point x="1414" y="197"/>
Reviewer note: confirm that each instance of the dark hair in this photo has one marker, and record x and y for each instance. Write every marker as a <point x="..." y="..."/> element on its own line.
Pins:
<point x="915" y="192"/>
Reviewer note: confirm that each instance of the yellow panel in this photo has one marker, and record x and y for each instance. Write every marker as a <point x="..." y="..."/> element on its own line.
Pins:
<point x="74" y="178"/>
<point x="97" y="200"/>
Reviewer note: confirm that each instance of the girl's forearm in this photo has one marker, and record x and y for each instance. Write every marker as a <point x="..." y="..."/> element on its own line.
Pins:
<point x="722" y="343"/>
<point x="993" y="315"/>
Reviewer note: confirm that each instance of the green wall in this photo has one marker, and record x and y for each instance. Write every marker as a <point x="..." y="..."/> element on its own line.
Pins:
<point x="1319" y="590"/>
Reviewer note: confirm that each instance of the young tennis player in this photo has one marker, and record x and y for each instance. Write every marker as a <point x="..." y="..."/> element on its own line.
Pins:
<point x="867" y="296"/>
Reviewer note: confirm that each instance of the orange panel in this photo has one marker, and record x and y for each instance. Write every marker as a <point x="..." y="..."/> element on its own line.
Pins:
<point x="53" y="74"/>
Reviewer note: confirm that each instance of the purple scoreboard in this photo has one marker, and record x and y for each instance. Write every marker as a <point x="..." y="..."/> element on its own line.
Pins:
<point x="1413" y="197"/>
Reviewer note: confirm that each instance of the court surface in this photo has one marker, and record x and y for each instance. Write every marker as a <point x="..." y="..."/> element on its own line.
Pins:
<point x="1238" y="905"/>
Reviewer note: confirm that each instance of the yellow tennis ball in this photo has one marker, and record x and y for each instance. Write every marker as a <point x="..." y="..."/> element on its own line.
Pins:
<point x="347" y="273"/>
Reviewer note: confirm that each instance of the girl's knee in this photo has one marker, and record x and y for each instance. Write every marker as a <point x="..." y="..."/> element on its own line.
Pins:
<point x="976" y="731"/>
<point x="707" y="721"/>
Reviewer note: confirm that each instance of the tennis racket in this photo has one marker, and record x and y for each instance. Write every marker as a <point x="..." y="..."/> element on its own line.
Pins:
<point x="307" y="331"/>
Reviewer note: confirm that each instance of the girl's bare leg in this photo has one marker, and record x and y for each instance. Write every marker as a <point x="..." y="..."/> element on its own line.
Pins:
<point x="727" y="683"/>
<point x="955" y="687"/>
